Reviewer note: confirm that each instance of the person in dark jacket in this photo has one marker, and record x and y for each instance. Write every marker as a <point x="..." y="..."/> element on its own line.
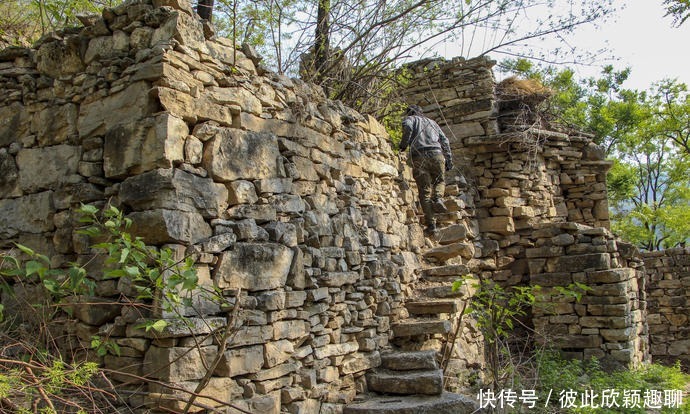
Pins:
<point x="430" y="157"/>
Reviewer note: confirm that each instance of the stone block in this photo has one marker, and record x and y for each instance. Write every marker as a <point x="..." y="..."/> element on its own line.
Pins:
<point x="240" y="361"/>
<point x="254" y="266"/>
<point x="432" y="307"/>
<point x="239" y="96"/>
<point x="275" y="372"/>
<point x="452" y="234"/>
<point x="499" y="225"/>
<point x="336" y="350"/>
<point x="175" y="396"/>
<point x="167" y="226"/>
<point x="679" y="347"/>
<point x="184" y="28"/>
<point x="174" y="189"/>
<point x="290" y="329"/>
<point x="93" y="311"/>
<point x="178" y="363"/>
<point x="242" y="192"/>
<point x="277" y="352"/>
<point x="47" y="168"/>
<point x="359" y="362"/>
<point x="406" y="382"/>
<point x="410" y="360"/>
<point x="552" y="279"/>
<point x="449" y="251"/>
<point x="610" y="276"/>
<point x="337" y="279"/>
<point x="59" y="58"/>
<point x="421" y="327"/>
<point x="234" y="154"/>
<point x="14" y="123"/>
<point x="124" y="107"/>
<point x="55" y="124"/>
<point x="30" y="214"/>
<point x="577" y="341"/>
<point x="617" y="335"/>
<point x="579" y="263"/>
<point x="179" y="328"/>
<point x="136" y="147"/>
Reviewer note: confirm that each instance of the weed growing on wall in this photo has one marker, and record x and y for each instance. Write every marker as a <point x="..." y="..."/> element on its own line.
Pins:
<point x="39" y="375"/>
<point x="499" y="311"/>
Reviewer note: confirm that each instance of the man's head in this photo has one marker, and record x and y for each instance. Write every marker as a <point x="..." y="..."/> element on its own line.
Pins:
<point x="413" y="110"/>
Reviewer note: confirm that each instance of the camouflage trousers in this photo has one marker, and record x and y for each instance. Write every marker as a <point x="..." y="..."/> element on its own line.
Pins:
<point x="428" y="172"/>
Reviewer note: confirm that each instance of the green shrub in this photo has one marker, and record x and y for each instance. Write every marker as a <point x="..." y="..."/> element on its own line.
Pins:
<point x="557" y="376"/>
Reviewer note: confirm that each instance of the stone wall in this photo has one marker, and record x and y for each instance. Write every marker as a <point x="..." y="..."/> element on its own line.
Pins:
<point x="540" y="206"/>
<point x="668" y="298"/>
<point x="608" y="320"/>
<point x="270" y="187"/>
<point x="301" y="203"/>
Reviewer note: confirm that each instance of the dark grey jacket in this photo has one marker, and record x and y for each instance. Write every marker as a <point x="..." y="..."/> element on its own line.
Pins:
<point x="423" y="135"/>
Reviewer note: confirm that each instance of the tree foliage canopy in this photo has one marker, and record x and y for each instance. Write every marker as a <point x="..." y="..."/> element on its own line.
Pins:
<point x="647" y="136"/>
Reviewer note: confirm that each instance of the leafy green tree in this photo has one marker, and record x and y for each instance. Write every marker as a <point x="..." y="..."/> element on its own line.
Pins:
<point x="647" y="136"/>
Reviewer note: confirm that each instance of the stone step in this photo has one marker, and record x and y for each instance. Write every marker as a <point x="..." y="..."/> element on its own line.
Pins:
<point x="452" y="234"/>
<point x="448" y="251"/>
<point x="447" y="273"/>
<point x="413" y="327"/>
<point x="431" y="307"/>
<point x="446" y="403"/>
<point x="409" y="360"/>
<point x="426" y="382"/>
<point x="441" y="292"/>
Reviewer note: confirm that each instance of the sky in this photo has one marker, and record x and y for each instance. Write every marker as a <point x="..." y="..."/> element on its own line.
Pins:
<point x="643" y="39"/>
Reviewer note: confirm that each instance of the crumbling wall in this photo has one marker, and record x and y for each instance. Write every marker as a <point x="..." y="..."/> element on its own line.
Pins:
<point x="540" y="206"/>
<point x="668" y="287"/>
<point x="268" y="185"/>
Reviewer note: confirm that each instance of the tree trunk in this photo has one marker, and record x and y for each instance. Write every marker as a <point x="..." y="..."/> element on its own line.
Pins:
<point x="321" y="39"/>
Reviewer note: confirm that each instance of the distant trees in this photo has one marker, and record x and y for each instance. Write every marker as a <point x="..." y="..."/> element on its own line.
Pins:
<point x="647" y="136"/>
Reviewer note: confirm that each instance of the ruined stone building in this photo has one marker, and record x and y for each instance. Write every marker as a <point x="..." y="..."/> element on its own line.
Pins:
<point x="302" y="205"/>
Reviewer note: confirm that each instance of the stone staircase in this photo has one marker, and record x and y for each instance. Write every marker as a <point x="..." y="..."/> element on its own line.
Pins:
<point x="410" y="378"/>
<point x="409" y="382"/>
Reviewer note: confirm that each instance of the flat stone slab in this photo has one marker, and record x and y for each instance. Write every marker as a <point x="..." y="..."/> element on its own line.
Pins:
<point x="406" y="382"/>
<point x="448" y="251"/>
<point x="446" y="403"/>
<point x="409" y="360"/>
<point x="441" y="292"/>
<point x="431" y="307"/>
<point x="448" y="273"/>
<point x="421" y="327"/>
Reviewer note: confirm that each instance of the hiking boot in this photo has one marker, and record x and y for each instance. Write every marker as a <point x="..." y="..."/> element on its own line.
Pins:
<point x="439" y="207"/>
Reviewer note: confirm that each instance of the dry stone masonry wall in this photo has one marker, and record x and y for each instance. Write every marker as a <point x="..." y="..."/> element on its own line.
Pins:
<point x="668" y="298"/>
<point x="540" y="206"/>
<point x="270" y="187"/>
<point x="300" y="203"/>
